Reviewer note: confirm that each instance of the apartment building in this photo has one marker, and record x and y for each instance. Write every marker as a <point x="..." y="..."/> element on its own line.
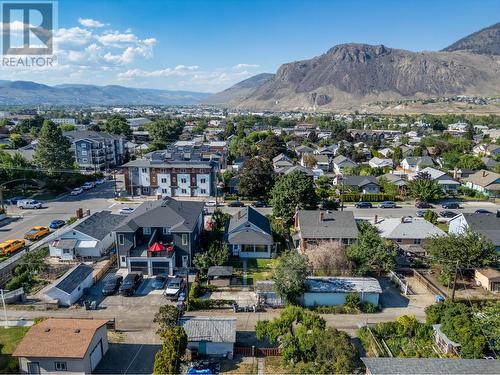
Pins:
<point x="97" y="150"/>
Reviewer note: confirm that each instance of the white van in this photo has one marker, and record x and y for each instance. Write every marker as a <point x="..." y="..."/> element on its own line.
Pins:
<point x="28" y="203"/>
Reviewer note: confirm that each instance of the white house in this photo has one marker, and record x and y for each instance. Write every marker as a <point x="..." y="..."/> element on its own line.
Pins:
<point x="90" y="238"/>
<point x="340" y="162"/>
<point x="486" y="224"/>
<point x="416" y="163"/>
<point x="72" y="285"/>
<point x="380" y="163"/>
<point x="209" y="335"/>
<point x="331" y="291"/>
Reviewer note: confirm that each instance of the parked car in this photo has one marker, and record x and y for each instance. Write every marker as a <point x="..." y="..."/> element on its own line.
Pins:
<point x="388" y="204"/>
<point x="159" y="282"/>
<point x="54" y="224"/>
<point x="211" y="203"/>
<point x="76" y="191"/>
<point x="12" y="201"/>
<point x="482" y="211"/>
<point x="131" y="283"/>
<point x="100" y="181"/>
<point x="36" y="233"/>
<point x="363" y="205"/>
<point x="11" y="246"/>
<point x="112" y="285"/>
<point x="450" y="205"/>
<point x="423" y="204"/>
<point x="447" y="214"/>
<point x="126" y="210"/>
<point x="174" y="287"/>
<point x="88" y="185"/>
<point x="259" y="204"/>
<point x="28" y="203"/>
<point x="420" y="213"/>
<point x="236" y="204"/>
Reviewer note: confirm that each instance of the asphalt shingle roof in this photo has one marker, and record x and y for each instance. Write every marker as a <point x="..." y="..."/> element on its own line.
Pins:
<point x="212" y="329"/>
<point x="407" y="228"/>
<point x="430" y="366"/>
<point x="179" y="216"/>
<point x="335" y="224"/>
<point x="99" y="224"/>
<point x="360" y="180"/>
<point x="343" y="285"/>
<point x="73" y="278"/>
<point x="247" y="235"/>
<point x="486" y="224"/>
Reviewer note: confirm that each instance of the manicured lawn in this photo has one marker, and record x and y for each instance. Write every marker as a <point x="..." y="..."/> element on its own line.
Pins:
<point x="9" y="338"/>
<point x="443" y="227"/>
<point x="257" y="269"/>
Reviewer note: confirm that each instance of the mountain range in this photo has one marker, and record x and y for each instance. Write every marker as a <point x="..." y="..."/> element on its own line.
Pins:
<point x="356" y="74"/>
<point x="31" y="93"/>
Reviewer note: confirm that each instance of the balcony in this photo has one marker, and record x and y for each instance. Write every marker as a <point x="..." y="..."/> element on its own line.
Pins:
<point x="144" y="251"/>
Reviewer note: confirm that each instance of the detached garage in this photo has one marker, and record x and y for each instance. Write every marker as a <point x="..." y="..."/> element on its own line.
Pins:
<point x="211" y="336"/>
<point x="72" y="285"/>
<point x="331" y="291"/>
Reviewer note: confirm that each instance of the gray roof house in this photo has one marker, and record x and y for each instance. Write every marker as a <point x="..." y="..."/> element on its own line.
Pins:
<point x="361" y="184"/>
<point x="159" y="236"/>
<point x="249" y="235"/>
<point x="430" y="366"/>
<point x="416" y="163"/>
<point x="486" y="224"/>
<point x="282" y="161"/>
<point x="71" y="286"/>
<point x="91" y="237"/>
<point x="340" y="162"/>
<point x="213" y="336"/>
<point x="448" y="184"/>
<point x="314" y="226"/>
<point x="484" y="181"/>
<point x="407" y="230"/>
<point x="398" y="180"/>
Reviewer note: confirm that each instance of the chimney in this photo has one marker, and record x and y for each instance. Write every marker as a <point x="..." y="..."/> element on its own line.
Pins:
<point x="375" y="220"/>
<point x="484" y="173"/>
<point x="321" y="216"/>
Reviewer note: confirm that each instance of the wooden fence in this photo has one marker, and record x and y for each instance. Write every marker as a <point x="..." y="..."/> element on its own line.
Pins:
<point x="101" y="272"/>
<point x="429" y="285"/>
<point x="252" y="351"/>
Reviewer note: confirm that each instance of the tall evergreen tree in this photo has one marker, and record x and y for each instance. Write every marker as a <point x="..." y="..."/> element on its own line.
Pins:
<point x="53" y="149"/>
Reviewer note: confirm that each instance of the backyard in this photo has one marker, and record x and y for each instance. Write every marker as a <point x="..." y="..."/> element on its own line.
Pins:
<point x="9" y="338"/>
<point x="256" y="269"/>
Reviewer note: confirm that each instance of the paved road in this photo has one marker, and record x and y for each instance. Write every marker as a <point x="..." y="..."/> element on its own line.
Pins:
<point x="96" y="199"/>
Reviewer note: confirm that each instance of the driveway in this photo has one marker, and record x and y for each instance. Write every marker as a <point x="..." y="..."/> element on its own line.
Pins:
<point x="128" y="359"/>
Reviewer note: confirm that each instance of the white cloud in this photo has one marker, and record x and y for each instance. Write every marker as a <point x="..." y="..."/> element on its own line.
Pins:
<point x="73" y="36"/>
<point x="89" y="22"/>
<point x="116" y="38"/>
<point x="245" y="66"/>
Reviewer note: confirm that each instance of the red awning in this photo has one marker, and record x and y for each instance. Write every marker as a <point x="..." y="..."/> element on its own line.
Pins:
<point x="157" y="246"/>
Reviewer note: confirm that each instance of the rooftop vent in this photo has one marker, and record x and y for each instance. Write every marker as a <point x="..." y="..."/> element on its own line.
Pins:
<point x="47" y="329"/>
<point x="77" y="330"/>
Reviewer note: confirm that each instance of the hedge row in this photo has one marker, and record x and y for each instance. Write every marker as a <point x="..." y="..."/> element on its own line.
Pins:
<point x="357" y="197"/>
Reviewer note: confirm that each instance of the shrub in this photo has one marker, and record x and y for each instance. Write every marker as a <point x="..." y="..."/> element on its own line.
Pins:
<point x="369" y="308"/>
<point x="71" y="220"/>
<point x="353" y="300"/>
<point x="206" y="304"/>
<point x="356" y="197"/>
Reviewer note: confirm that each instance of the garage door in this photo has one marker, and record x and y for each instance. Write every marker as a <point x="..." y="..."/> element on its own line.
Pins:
<point x="96" y="355"/>
<point x="160" y="268"/>
<point x="136" y="266"/>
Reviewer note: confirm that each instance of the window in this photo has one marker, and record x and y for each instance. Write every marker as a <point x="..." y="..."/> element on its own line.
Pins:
<point x="399" y="240"/>
<point x="203" y="181"/>
<point x="164" y="191"/>
<point x="144" y="170"/>
<point x="417" y="241"/>
<point x="121" y="239"/>
<point x="183" y="191"/>
<point x="184" y="239"/>
<point x="163" y="180"/>
<point x="84" y="160"/>
<point x="203" y="191"/>
<point x="60" y="366"/>
<point x="146" y="230"/>
<point x="33" y="368"/>
<point x="183" y="180"/>
<point x="84" y="145"/>
<point x="166" y="230"/>
<point x="66" y="251"/>
<point x="84" y="153"/>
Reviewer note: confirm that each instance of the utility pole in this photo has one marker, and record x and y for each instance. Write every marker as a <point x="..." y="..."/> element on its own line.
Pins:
<point x="454" y="282"/>
<point x="4" y="308"/>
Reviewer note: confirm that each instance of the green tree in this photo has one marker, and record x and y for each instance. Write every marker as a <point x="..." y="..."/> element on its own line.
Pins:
<point x="256" y="178"/>
<point x="397" y="155"/>
<point x="166" y="317"/>
<point x="467" y="250"/>
<point x="289" y="275"/>
<point x="17" y="140"/>
<point x="168" y="358"/>
<point x="388" y="187"/>
<point x="165" y="131"/>
<point x="67" y="127"/>
<point x="469" y="132"/>
<point x="470" y="162"/>
<point x="431" y="216"/>
<point x="117" y="124"/>
<point x="293" y="191"/>
<point x="53" y="149"/>
<point x="489" y="320"/>
<point x="370" y="253"/>
<point x="271" y="147"/>
<point x="424" y="188"/>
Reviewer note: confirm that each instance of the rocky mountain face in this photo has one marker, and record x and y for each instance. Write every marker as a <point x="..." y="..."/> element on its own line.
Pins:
<point x="31" y="93"/>
<point x="353" y="74"/>
<point x="485" y="41"/>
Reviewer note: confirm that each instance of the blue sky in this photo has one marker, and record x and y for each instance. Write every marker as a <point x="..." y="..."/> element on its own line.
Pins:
<point x="208" y="45"/>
